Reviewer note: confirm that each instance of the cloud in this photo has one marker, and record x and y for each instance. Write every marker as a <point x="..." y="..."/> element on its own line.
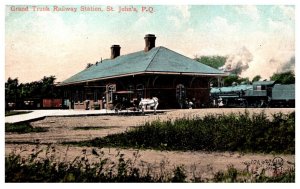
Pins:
<point x="288" y="11"/>
<point x="46" y="44"/>
<point x="184" y="10"/>
<point x="250" y="11"/>
<point x="220" y="25"/>
<point x="175" y="20"/>
<point x="279" y="26"/>
<point x="272" y="51"/>
<point x="179" y="15"/>
<point x="268" y="51"/>
<point x="219" y="37"/>
<point x="288" y="66"/>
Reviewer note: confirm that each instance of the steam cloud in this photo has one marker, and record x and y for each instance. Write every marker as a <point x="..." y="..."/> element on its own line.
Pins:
<point x="259" y="63"/>
<point x="237" y="63"/>
<point x="288" y="66"/>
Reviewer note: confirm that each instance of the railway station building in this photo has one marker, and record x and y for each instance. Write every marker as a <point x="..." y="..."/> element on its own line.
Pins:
<point x="152" y="72"/>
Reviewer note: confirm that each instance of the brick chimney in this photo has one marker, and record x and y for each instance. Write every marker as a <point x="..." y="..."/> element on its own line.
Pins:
<point x="115" y="51"/>
<point x="149" y="42"/>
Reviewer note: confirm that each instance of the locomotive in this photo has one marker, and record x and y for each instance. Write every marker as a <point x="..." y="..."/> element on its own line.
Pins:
<point x="258" y="95"/>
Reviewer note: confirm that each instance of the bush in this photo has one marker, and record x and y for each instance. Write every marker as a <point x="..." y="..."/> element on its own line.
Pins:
<point x="179" y="175"/>
<point x="11" y="113"/>
<point x="233" y="175"/>
<point x="231" y="132"/>
<point x="23" y="128"/>
<point x="96" y="106"/>
<point x="38" y="169"/>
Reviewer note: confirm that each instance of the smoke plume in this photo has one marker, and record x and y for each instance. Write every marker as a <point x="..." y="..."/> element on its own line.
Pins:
<point x="287" y="66"/>
<point x="239" y="62"/>
<point x="264" y="63"/>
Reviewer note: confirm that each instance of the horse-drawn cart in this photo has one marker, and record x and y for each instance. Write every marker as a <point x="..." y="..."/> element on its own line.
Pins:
<point x="126" y="100"/>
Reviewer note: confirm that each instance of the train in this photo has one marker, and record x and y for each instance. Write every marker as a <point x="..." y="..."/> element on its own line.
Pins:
<point x="35" y="103"/>
<point x="259" y="94"/>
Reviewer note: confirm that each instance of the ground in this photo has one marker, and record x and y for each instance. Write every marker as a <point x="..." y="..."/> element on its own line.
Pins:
<point x="201" y="163"/>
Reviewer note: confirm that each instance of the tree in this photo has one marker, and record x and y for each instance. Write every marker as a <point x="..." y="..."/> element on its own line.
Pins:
<point x="88" y="65"/>
<point x="12" y="92"/>
<point x="43" y="88"/>
<point x="47" y="86"/>
<point x="256" y="78"/>
<point x="17" y="93"/>
<point x="243" y="80"/>
<point x="284" y="78"/>
<point x="212" y="61"/>
<point x="230" y="79"/>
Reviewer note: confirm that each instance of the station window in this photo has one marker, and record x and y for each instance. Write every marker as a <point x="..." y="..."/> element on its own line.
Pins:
<point x="95" y="96"/>
<point x="180" y="92"/>
<point x="110" y="89"/>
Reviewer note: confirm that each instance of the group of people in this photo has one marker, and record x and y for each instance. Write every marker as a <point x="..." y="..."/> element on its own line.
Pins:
<point x="187" y="103"/>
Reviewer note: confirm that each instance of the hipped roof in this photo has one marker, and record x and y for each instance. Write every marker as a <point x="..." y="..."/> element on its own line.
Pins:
<point x="159" y="60"/>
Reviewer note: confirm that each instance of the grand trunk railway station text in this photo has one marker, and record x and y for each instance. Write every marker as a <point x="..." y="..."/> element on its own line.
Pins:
<point x="74" y="9"/>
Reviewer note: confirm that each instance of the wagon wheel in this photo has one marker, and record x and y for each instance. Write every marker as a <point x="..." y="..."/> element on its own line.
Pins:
<point x="267" y="104"/>
<point x="117" y="107"/>
<point x="244" y="104"/>
<point x="257" y="104"/>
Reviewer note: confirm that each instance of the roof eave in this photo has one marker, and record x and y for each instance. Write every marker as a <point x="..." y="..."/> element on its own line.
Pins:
<point x="148" y="72"/>
<point x="100" y="78"/>
<point x="188" y="73"/>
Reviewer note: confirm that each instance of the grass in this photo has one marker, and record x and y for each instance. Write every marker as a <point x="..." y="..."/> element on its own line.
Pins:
<point x="232" y="175"/>
<point x="47" y="168"/>
<point x="21" y="128"/>
<point x="11" y="113"/>
<point x="242" y="132"/>
<point x="93" y="128"/>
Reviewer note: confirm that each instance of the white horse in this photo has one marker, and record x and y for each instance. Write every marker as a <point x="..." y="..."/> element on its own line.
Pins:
<point x="149" y="102"/>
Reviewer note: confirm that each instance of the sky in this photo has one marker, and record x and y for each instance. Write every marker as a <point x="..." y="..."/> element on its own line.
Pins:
<point x="260" y="38"/>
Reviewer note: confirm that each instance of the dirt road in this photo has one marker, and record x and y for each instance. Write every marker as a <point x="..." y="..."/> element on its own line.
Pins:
<point x="66" y="128"/>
